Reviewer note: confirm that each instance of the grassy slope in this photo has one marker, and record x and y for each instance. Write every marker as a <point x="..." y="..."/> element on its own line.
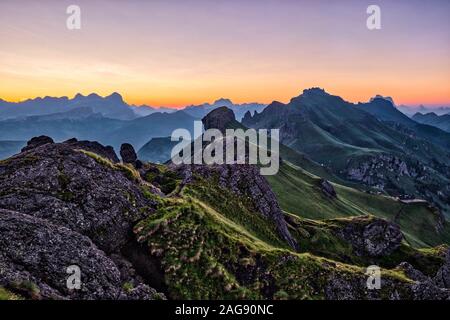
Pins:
<point x="205" y="254"/>
<point x="298" y="193"/>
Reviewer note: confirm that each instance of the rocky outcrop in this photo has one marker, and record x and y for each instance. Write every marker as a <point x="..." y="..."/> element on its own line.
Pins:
<point x="95" y="147"/>
<point x="244" y="180"/>
<point x="220" y="118"/>
<point x="129" y="155"/>
<point x="36" y="142"/>
<point x="371" y="237"/>
<point x="65" y="186"/>
<point x="327" y="188"/>
<point x="34" y="262"/>
<point x="412" y="273"/>
<point x="62" y="206"/>
<point x="442" y="277"/>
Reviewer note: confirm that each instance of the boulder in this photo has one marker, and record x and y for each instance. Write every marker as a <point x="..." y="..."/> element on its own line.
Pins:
<point x="327" y="188"/>
<point x="34" y="262"/>
<point x="370" y="236"/>
<point x="220" y="118"/>
<point x="36" y="142"/>
<point x="127" y="153"/>
<point x="95" y="147"/>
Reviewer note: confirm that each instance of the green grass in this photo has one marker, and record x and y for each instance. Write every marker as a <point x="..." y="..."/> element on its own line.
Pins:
<point x="298" y="193"/>
<point x="204" y="249"/>
<point x="235" y="208"/>
<point x="8" y="295"/>
<point x="128" y="169"/>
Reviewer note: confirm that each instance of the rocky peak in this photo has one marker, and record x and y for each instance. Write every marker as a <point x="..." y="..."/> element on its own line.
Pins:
<point x="247" y="117"/>
<point x="115" y="97"/>
<point x="36" y="142"/>
<point x="127" y="153"/>
<point x="380" y="97"/>
<point x="220" y="118"/>
<point x="93" y="146"/>
<point x="315" y="91"/>
<point x="223" y="102"/>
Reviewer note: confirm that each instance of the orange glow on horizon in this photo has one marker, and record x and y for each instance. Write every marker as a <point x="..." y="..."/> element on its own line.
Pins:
<point x="173" y="54"/>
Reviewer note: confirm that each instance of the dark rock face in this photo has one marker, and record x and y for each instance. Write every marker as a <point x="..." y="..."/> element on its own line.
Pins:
<point x="220" y="118"/>
<point x="93" y="146"/>
<point x="127" y="153"/>
<point x="46" y="269"/>
<point x="442" y="278"/>
<point x="36" y="142"/>
<point x="372" y="238"/>
<point x="245" y="180"/>
<point x="247" y="117"/>
<point x="327" y="188"/>
<point x="412" y="273"/>
<point x="69" y="188"/>
<point x="62" y="207"/>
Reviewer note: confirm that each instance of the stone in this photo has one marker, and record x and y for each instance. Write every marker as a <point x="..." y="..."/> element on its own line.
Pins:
<point x="370" y="236"/>
<point x="220" y="118"/>
<point x="327" y="188"/>
<point x="127" y="153"/>
<point x="36" y="142"/>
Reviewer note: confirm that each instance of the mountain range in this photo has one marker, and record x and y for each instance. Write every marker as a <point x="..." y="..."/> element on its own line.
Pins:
<point x="112" y="106"/>
<point x="410" y="111"/>
<point x="372" y="144"/>
<point x="432" y="119"/>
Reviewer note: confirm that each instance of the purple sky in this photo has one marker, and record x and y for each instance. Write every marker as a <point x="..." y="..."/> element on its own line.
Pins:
<point x="182" y="52"/>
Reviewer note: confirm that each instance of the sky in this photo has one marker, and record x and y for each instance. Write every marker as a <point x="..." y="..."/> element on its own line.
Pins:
<point x="182" y="52"/>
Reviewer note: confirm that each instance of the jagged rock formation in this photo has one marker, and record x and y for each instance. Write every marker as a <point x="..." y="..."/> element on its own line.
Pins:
<point x="127" y="153"/>
<point x="34" y="262"/>
<point x="95" y="147"/>
<point x="372" y="238"/>
<point x="244" y="180"/>
<point x="220" y="118"/>
<point x="241" y="179"/>
<point x="61" y="206"/>
<point x="36" y="142"/>
<point x="442" y="278"/>
<point x="327" y="188"/>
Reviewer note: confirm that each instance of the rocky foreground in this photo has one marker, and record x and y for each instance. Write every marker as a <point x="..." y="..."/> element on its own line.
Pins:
<point x="143" y="231"/>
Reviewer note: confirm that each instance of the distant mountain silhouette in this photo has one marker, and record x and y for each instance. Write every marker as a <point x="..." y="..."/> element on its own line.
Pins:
<point x="145" y="110"/>
<point x="199" y="111"/>
<point x="139" y="131"/>
<point x="432" y="119"/>
<point x="385" y="110"/>
<point x="111" y="106"/>
<point x="85" y="124"/>
<point x="157" y="150"/>
<point x="410" y="111"/>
